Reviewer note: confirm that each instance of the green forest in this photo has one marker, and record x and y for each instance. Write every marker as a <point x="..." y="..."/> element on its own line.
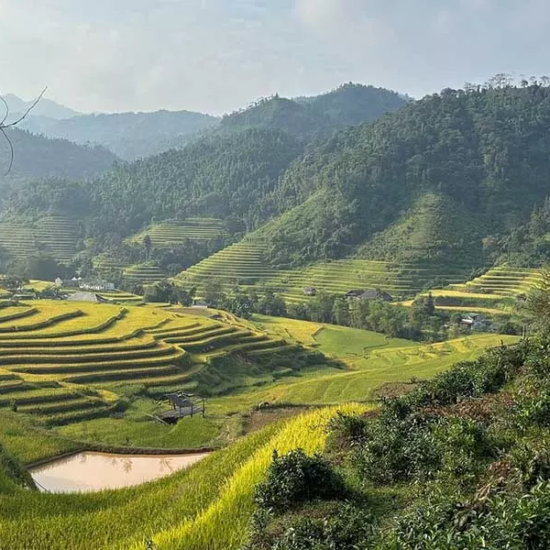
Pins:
<point x="459" y="176"/>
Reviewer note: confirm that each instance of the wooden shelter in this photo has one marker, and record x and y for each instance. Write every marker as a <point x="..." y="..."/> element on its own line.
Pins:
<point x="183" y="404"/>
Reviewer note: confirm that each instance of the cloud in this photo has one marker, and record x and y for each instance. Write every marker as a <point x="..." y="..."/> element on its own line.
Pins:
<point x="217" y="55"/>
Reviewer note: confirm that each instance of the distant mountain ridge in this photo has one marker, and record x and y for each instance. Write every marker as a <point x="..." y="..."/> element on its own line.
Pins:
<point x="128" y="135"/>
<point x="44" y="108"/>
<point x="38" y="157"/>
<point x="317" y="117"/>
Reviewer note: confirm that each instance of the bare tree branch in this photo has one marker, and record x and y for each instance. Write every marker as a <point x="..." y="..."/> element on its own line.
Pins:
<point x="24" y="116"/>
<point x="12" y="153"/>
<point x="3" y="124"/>
<point x="7" y="110"/>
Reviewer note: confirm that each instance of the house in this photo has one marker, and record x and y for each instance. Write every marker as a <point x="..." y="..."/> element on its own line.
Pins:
<point x="98" y="286"/>
<point x="67" y="283"/>
<point x="182" y="405"/>
<point x="24" y="296"/>
<point x="371" y="294"/>
<point x="475" y="321"/>
<point x="87" y="297"/>
<point x="310" y="291"/>
<point x="200" y="304"/>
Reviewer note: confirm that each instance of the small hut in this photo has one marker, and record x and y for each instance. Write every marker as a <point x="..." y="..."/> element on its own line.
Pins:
<point x="183" y="404"/>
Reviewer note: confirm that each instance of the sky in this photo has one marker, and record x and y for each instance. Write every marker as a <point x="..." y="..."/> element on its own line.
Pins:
<point x="216" y="56"/>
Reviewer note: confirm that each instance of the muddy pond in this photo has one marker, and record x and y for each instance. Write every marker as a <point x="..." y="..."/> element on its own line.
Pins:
<point x="92" y="471"/>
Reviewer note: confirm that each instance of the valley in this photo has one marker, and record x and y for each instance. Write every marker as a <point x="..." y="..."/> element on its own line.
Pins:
<point x="252" y="287"/>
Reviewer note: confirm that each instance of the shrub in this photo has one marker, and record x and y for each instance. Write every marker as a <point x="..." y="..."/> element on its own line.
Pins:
<point x="295" y="478"/>
<point x="346" y="431"/>
<point x="398" y="450"/>
<point x="512" y="521"/>
<point x="346" y="530"/>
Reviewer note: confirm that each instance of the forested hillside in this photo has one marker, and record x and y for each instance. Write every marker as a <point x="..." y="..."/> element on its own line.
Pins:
<point x="316" y="117"/>
<point x="39" y="157"/>
<point x="457" y="178"/>
<point x="128" y="135"/>
<point x="454" y="172"/>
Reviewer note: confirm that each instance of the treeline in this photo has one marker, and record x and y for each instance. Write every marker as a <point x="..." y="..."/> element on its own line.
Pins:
<point x="420" y="321"/>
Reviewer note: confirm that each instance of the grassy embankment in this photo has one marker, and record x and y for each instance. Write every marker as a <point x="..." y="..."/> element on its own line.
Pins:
<point x="207" y="506"/>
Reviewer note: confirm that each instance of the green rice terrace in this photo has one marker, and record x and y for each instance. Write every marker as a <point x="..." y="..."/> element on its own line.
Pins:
<point x="77" y="376"/>
<point x="104" y="262"/>
<point x="175" y="232"/>
<point x="243" y="263"/>
<point x="145" y="273"/>
<point x="493" y="292"/>
<point x="53" y="235"/>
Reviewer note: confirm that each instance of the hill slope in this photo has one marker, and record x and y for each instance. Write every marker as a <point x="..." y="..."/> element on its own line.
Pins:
<point x="129" y="135"/>
<point x="316" y="117"/>
<point x="481" y="153"/>
<point x="40" y="157"/>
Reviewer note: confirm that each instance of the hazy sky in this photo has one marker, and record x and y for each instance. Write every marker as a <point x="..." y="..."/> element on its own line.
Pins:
<point x="218" y="55"/>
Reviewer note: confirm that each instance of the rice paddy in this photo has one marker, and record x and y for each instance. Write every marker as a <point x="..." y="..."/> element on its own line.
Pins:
<point x="371" y="360"/>
<point x="206" y="506"/>
<point x="492" y="293"/>
<point x="81" y="375"/>
<point x="53" y="235"/>
<point x="177" y="232"/>
<point x="243" y="264"/>
<point x="57" y="356"/>
<point x="142" y="274"/>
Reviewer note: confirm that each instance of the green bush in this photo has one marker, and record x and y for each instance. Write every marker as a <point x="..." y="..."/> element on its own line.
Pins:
<point x="346" y="530"/>
<point x="295" y="478"/>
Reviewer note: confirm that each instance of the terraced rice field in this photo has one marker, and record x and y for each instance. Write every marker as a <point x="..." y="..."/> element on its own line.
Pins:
<point x="143" y="274"/>
<point x="492" y="293"/>
<point x="105" y="263"/>
<point x="372" y="361"/>
<point x="54" y="235"/>
<point x="177" y="232"/>
<point x="56" y="358"/>
<point x="502" y="281"/>
<point x="207" y="506"/>
<point x="243" y="264"/>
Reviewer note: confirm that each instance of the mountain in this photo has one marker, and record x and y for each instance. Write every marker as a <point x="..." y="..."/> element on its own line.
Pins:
<point x="317" y="117"/>
<point x="136" y="135"/>
<point x="220" y="177"/>
<point x="452" y="178"/>
<point x="231" y="173"/>
<point x="44" y="108"/>
<point x="353" y="104"/>
<point x="128" y="135"/>
<point x="39" y="157"/>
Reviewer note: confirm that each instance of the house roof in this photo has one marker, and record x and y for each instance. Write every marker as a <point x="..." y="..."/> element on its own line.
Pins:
<point x="87" y="297"/>
<point x="370" y="294"/>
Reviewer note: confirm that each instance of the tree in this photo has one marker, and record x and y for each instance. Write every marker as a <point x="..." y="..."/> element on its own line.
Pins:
<point x="213" y="292"/>
<point x="340" y="311"/>
<point x="162" y="291"/>
<point x="148" y="245"/>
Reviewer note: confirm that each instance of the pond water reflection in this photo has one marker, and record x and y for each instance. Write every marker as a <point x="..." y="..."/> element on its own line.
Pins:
<point x="92" y="471"/>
